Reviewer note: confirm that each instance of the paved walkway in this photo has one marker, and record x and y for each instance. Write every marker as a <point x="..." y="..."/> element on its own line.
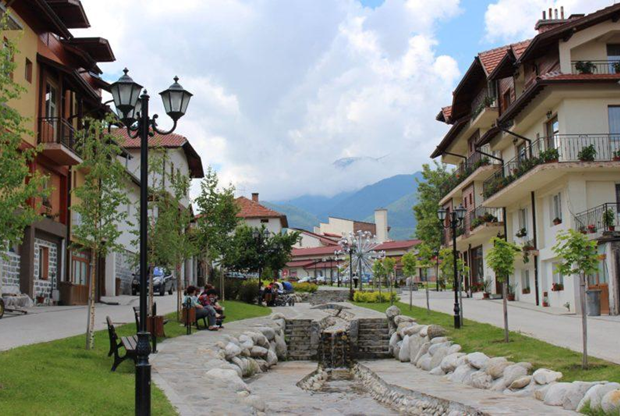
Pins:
<point x="554" y="327"/>
<point x="49" y="323"/>
<point x="488" y="402"/>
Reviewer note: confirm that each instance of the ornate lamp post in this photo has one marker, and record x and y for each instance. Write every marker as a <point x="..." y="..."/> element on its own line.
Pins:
<point x="260" y="236"/>
<point x="133" y="109"/>
<point x="455" y="218"/>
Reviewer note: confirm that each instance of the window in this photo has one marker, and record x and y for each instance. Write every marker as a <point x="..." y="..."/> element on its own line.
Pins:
<point x="613" y="55"/>
<point x="264" y="220"/>
<point x="506" y="97"/>
<point x="28" y="70"/>
<point x="522" y="152"/>
<point x="523" y="220"/>
<point x="600" y="277"/>
<point x="525" y="281"/>
<point x="44" y="263"/>
<point x="79" y="269"/>
<point x="555" y="205"/>
<point x="614" y="126"/>
<point x="51" y="100"/>
<point x="557" y="276"/>
<point x="552" y="130"/>
<point x="6" y="46"/>
<point x="477" y="266"/>
<point x="471" y="199"/>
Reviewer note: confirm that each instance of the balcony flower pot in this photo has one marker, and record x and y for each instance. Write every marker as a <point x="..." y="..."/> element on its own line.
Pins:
<point x="557" y="221"/>
<point x="557" y="287"/>
<point x="587" y="153"/>
<point x="591" y="228"/>
<point x="526" y="291"/>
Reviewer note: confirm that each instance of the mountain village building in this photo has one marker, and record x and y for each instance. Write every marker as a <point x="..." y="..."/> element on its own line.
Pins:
<point x="255" y="215"/>
<point x="535" y="138"/>
<point x="62" y="83"/>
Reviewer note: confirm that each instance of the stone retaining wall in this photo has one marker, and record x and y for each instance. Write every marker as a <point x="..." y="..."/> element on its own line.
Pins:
<point x="427" y="347"/>
<point x="328" y="296"/>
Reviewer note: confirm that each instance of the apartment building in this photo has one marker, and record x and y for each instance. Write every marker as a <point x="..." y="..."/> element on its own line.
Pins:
<point x="62" y="83"/>
<point x="180" y="158"/>
<point x="253" y="214"/>
<point x="535" y="138"/>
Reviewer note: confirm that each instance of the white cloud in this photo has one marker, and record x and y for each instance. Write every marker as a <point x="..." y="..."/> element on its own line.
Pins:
<point x="514" y="20"/>
<point x="283" y="89"/>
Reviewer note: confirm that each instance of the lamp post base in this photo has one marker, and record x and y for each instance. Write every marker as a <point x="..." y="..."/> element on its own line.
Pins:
<point x="143" y="376"/>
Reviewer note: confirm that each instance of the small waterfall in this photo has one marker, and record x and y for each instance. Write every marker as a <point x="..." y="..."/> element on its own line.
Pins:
<point x="335" y="349"/>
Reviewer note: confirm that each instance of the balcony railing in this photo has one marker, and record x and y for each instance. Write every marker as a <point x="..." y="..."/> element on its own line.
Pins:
<point x="559" y="148"/>
<point x="604" y="217"/>
<point x="596" y="67"/>
<point x="57" y="130"/>
<point x="484" y="215"/>
<point x="464" y="169"/>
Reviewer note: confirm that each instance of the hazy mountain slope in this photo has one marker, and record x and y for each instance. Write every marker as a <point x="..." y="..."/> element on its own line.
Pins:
<point x="297" y="217"/>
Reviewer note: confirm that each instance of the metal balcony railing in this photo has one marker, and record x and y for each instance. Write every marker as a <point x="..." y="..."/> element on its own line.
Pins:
<point x="595" y="220"/>
<point x="596" y="67"/>
<point x="464" y="169"/>
<point x="484" y="215"/>
<point x="57" y="130"/>
<point x="559" y="148"/>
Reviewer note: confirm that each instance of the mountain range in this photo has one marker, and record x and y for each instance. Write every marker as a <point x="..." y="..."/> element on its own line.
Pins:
<point x="397" y="194"/>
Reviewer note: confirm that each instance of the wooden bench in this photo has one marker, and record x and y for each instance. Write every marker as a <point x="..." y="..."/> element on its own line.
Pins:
<point x="116" y="343"/>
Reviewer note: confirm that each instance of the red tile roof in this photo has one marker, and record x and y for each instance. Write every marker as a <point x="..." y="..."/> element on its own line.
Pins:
<point x="252" y="209"/>
<point x="168" y="141"/>
<point x="330" y="241"/>
<point x="300" y="263"/>
<point x="492" y="57"/>
<point x="325" y="251"/>
<point x="398" y="245"/>
<point x="520" y="47"/>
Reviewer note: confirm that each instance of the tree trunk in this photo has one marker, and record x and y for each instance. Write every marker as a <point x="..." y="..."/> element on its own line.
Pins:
<point x="584" y="322"/>
<point x="505" y="304"/>
<point x="223" y="283"/>
<point x="410" y="292"/>
<point x="391" y="285"/>
<point x="179" y="290"/>
<point x="90" y="323"/>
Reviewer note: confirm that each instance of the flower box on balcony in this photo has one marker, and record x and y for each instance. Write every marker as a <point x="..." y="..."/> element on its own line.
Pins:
<point x="526" y="291"/>
<point x="591" y="228"/>
<point x="557" y="221"/>
<point x="557" y="287"/>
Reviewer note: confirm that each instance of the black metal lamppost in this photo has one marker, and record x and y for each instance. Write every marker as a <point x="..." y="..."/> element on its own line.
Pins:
<point x="348" y="248"/>
<point x="455" y="218"/>
<point x="260" y="236"/>
<point x="132" y="105"/>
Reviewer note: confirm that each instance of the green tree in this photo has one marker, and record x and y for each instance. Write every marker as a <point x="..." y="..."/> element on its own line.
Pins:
<point x="216" y="219"/>
<point x="101" y="199"/>
<point x="425" y="260"/>
<point x="578" y="256"/>
<point x="23" y="190"/>
<point x="410" y="266"/>
<point x="389" y="264"/>
<point x="429" y="227"/>
<point x="378" y="272"/>
<point x="501" y="259"/>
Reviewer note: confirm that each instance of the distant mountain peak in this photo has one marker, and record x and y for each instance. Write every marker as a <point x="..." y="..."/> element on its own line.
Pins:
<point x="345" y="162"/>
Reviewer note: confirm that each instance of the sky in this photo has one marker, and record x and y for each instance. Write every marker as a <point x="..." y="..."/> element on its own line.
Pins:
<point x="296" y="97"/>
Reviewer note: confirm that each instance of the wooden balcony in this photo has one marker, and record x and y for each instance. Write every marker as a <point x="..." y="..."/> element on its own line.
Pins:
<point x="58" y="138"/>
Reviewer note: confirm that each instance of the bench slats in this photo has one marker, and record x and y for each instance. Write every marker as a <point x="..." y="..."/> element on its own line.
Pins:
<point x="130" y="343"/>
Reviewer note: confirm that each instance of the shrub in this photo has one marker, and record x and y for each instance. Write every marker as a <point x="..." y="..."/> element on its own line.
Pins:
<point x="587" y="153"/>
<point x="305" y="287"/>
<point x="232" y="286"/>
<point x="248" y="292"/>
<point x="374" y="297"/>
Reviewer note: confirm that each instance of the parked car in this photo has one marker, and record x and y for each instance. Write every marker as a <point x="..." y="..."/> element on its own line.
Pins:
<point x="163" y="282"/>
<point x="235" y="275"/>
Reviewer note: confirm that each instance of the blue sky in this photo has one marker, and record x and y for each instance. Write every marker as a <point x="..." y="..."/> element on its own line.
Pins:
<point x="284" y="90"/>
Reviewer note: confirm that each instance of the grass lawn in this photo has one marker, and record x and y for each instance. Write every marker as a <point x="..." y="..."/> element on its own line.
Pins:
<point x="475" y="336"/>
<point x="62" y="378"/>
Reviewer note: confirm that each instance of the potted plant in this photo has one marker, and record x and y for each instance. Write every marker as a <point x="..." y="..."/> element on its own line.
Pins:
<point x="616" y="155"/>
<point x="521" y="233"/>
<point x="545" y="299"/>
<point x="550" y="155"/>
<point x="587" y="154"/>
<point x="609" y="220"/>
<point x="616" y="67"/>
<point x="557" y="221"/>
<point x="526" y="291"/>
<point x="487" y="289"/>
<point x="592" y="228"/>
<point x="557" y="287"/>
<point x="583" y="229"/>
<point x="40" y="299"/>
<point x="585" y="67"/>
<point x="511" y="292"/>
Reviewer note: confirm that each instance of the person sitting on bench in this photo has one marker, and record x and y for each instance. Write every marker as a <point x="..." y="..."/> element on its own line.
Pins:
<point x="209" y="299"/>
<point x="201" y="311"/>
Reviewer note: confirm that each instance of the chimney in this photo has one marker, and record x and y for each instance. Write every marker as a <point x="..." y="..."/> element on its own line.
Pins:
<point x="255" y="196"/>
<point x="551" y="20"/>
<point x="381" y="223"/>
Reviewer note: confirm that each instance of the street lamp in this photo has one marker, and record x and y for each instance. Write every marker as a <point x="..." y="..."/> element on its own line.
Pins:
<point x="133" y="109"/>
<point x="348" y="248"/>
<point x="260" y="236"/>
<point x="455" y="218"/>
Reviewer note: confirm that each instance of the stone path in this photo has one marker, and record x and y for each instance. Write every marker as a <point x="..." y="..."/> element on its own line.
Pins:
<point x="409" y="377"/>
<point x="559" y="329"/>
<point x="49" y="323"/>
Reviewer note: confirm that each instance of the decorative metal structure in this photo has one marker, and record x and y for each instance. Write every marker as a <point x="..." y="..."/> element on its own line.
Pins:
<point x="132" y="106"/>
<point x="454" y="219"/>
<point x="360" y="247"/>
